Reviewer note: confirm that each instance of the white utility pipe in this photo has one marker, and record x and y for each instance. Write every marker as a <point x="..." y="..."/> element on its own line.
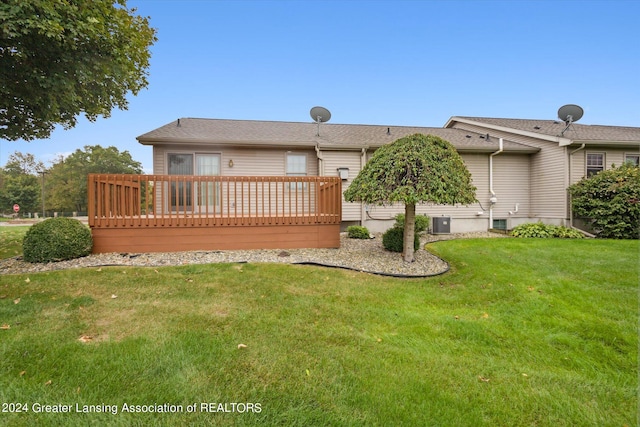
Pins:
<point x="364" y="210"/>
<point x="320" y="161"/>
<point x="569" y="182"/>
<point x="493" y="199"/>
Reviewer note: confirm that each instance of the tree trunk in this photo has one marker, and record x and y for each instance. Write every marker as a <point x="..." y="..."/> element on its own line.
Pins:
<point x="409" y="231"/>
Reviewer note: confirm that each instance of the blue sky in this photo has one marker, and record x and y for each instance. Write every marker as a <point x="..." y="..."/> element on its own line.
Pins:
<point x="373" y="62"/>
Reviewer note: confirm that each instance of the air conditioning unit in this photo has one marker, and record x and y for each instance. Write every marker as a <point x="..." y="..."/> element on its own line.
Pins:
<point x="441" y="225"/>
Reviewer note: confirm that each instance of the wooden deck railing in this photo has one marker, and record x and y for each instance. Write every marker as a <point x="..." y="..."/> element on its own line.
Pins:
<point x="204" y="201"/>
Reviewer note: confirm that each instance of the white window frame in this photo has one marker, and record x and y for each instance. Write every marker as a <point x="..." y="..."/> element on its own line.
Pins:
<point x="288" y="172"/>
<point x="633" y="158"/>
<point x="590" y="169"/>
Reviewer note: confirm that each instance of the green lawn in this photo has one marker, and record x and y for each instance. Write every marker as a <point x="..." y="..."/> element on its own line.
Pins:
<point x="520" y="332"/>
<point x="11" y="240"/>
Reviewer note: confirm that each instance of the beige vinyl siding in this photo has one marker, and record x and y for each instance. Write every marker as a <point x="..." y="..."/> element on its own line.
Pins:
<point x="247" y="162"/>
<point x="548" y="184"/>
<point x="159" y="160"/>
<point x="547" y="173"/>
<point x="577" y="164"/>
<point x="511" y="185"/>
<point x="612" y="156"/>
<point x="344" y="159"/>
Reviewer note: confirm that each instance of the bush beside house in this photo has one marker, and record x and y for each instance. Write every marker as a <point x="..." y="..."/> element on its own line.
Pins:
<point x="540" y="230"/>
<point x="358" y="232"/>
<point x="610" y="202"/>
<point x="422" y="222"/>
<point x="393" y="240"/>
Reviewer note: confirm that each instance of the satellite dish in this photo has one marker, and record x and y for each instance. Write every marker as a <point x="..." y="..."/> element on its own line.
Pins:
<point x="320" y="115"/>
<point x="570" y="113"/>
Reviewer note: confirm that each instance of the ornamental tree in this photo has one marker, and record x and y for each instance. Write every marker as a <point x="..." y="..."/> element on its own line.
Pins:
<point x="414" y="169"/>
<point x="59" y="59"/>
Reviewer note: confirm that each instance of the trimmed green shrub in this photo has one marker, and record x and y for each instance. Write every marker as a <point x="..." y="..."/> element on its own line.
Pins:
<point x="358" y="232"/>
<point x="393" y="240"/>
<point x="56" y="239"/>
<point x="540" y="230"/>
<point x="610" y="202"/>
<point x="535" y="229"/>
<point x="561" y="232"/>
<point x="422" y="222"/>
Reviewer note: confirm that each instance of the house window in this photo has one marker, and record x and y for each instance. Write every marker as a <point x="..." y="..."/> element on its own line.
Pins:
<point x="182" y="192"/>
<point x="500" y="224"/>
<point x="595" y="163"/>
<point x="180" y="164"/>
<point x="633" y="159"/>
<point x="296" y="166"/>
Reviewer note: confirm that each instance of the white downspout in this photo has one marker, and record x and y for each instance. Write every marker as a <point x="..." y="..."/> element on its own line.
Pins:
<point x="569" y="181"/>
<point x="493" y="199"/>
<point x="363" y="161"/>
<point x="320" y="161"/>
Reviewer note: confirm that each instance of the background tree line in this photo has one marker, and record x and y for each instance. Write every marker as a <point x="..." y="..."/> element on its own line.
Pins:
<point x="65" y="181"/>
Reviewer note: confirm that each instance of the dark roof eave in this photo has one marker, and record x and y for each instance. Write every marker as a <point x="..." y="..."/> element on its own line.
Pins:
<point x="310" y="144"/>
<point x="346" y="147"/>
<point x="198" y="141"/>
<point x="620" y="144"/>
<point x="528" y="150"/>
<point x="352" y="147"/>
<point x="558" y="139"/>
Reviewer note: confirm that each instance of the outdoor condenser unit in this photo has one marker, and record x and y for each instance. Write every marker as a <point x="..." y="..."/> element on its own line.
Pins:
<point x="441" y="225"/>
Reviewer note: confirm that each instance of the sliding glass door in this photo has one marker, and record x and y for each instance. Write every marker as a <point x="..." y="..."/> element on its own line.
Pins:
<point x="188" y="196"/>
<point x="208" y="193"/>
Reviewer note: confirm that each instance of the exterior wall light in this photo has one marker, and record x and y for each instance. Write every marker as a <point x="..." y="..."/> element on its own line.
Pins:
<point x="343" y="173"/>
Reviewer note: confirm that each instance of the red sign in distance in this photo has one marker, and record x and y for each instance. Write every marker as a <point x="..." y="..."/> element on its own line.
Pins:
<point x="16" y="208"/>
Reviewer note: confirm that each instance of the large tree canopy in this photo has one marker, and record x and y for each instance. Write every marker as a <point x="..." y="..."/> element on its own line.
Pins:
<point x="19" y="183"/>
<point x="61" y="58"/>
<point x="414" y="169"/>
<point x="66" y="185"/>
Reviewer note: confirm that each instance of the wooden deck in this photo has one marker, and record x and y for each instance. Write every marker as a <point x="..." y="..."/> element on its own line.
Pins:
<point x="168" y="213"/>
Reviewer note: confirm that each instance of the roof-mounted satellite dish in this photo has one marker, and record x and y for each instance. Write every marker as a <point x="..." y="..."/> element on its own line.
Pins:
<point x="568" y="114"/>
<point x="320" y="115"/>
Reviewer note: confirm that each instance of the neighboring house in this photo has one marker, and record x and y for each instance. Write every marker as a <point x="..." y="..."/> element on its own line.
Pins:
<point x="521" y="168"/>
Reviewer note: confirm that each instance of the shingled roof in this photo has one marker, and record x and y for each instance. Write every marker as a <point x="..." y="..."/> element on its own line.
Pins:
<point x="297" y="134"/>
<point x="577" y="132"/>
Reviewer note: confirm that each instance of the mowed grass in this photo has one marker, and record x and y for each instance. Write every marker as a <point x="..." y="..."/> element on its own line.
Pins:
<point x="11" y="240"/>
<point x="521" y="332"/>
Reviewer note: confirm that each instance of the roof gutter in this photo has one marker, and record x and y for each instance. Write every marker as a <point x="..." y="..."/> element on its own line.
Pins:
<point x="616" y="143"/>
<point x="344" y="147"/>
<point x="204" y="142"/>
